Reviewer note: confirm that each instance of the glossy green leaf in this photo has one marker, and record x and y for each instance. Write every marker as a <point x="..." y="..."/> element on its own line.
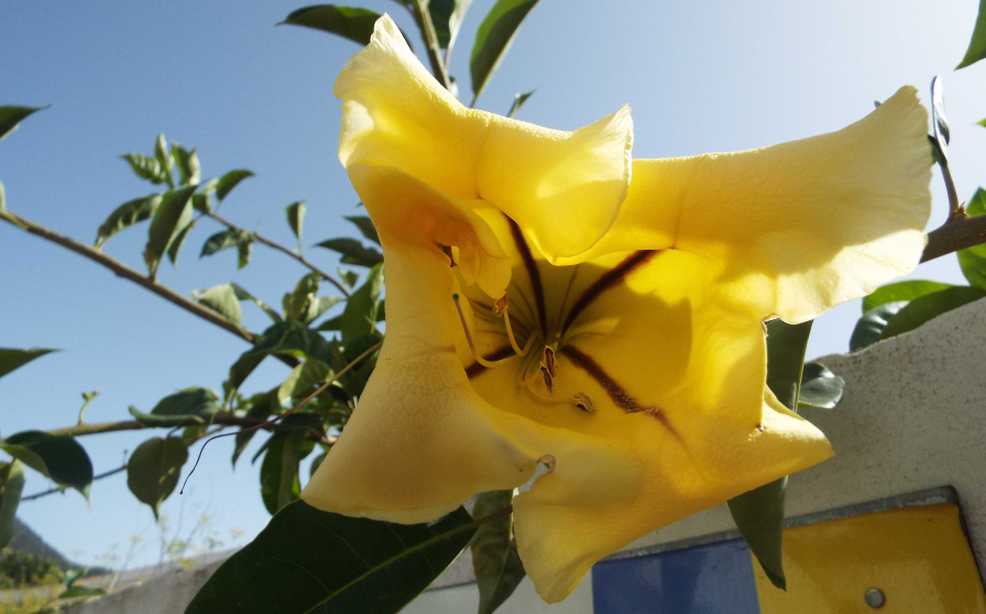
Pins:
<point x="353" y="252"/>
<point x="359" y="318"/>
<point x="495" y="561"/>
<point x="977" y="44"/>
<point x="307" y="560"/>
<point x="365" y="227"/>
<point x="302" y="381"/>
<point x="11" y="488"/>
<point x="179" y="239"/>
<point x="154" y="468"/>
<point x="901" y="291"/>
<point x="193" y="403"/>
<point x="759" y="513"/>
<point x="289" y="338"/>
<point x="493" y="39"/>
<point x="350" y="22"/>
<point x="939" y="123"/>
<point x="869" y="328"/>
<point x="146" y="167"/>
<point x="15" y="358"/>
<point x="126" y="215"/>
<point x="217" y="242"/>
<point x="447" y="16"/>
<point x="230" y="180"/>
<point x="301" y="304"/>
<point x="224" y="300"/>
<point x="58" y="457"/>
<point x="12" y="115"/>
<point x="296" y="217"/>
<point x="922" y="309"/>
<point x="243" y="295"/>
<point x="820" y="388"/>
<point x="163" y="155"/>
<point x="169" y="220"/>
<point x="187" y="161"/>
<point x="972" y="260"/>
<point x="279" y="482"/>
<point x="519" y="100"/>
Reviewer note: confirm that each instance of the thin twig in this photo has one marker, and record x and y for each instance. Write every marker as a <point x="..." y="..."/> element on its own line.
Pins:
<point x="419" y="8"/>
<point x="126" y="272"/>
<point x="97" y="428"/>
<point x="51" y="491"/>
<point x="281" y="248"/>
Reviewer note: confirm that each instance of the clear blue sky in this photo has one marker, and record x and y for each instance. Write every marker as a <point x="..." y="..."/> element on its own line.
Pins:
<point x="717" y="75"/>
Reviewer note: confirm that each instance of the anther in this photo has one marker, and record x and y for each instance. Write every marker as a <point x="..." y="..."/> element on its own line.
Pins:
<point x="489" y="364"/>
<point x="548" y="462"/>
<point x="583" y="402"/>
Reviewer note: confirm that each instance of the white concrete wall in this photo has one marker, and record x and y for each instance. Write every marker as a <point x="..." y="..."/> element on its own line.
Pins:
<point x="913" y="417"/>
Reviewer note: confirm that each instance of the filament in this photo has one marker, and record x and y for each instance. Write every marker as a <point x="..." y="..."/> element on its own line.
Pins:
<point x="510" y="334"/>
<point x="489" y="364"/>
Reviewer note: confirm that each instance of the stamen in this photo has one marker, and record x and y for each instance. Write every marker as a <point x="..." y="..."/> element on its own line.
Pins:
<point x="489" y="364"/>
<point x="510" y="332"/>
<point x="583" y="402"/>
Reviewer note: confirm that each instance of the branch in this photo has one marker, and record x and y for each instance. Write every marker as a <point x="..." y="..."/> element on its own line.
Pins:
<point x="284" y="250"/>
<point x="959" y="232"/>
<point x="423" y="18"/>
<point x="224" y="418"/>
<point x="126" y="272"/>
<point x="51" y="491"/>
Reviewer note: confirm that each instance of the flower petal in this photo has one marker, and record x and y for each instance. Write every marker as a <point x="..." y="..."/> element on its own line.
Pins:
<point x="564" y="188"/>
<point x="420" y="442"/>
<point x="804" y="225"/>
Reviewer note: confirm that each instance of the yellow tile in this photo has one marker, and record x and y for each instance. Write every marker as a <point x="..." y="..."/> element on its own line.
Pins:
<point x="917" y="556"/>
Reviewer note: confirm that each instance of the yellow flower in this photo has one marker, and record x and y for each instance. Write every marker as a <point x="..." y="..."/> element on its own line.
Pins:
<point x="538" y="312"/>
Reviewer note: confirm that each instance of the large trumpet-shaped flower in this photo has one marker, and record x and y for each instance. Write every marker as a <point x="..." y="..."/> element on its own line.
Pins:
<point x="543" y="308"/>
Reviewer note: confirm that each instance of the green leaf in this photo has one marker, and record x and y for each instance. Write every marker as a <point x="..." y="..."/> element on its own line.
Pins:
<point x="230" y="180"/>
<point x="296" y="217"/>
<point x="58" y="457"/>
<point x="901" y="291"/>
<point x="11" y="487"/>
<point x="820" y="388"/>
<point x="11" y="116"/>
<point x="164" y="157"/>
<point x="493" y="39"/>
<point x="146" y="167"/>
<point x="869" y="328"/>
<point x="200" y="202"/>
<point x="224" y="239"/>
<point x="76" y="592"/>
<point x="365" y="227"/>
<point x="977" y="44"/>
<point x="495" y="560"/>
<point x="939" y="123"/>
<point x="243" y="295"/>
<point x="972" y="260"/>
<point x="3" y="198"/>
<point x="126" y="215"/>
<point x="301" y="304"/>
<point x="350" y="22"/>
<point x="187" y="160"/>
<point x="154" y="468"/>
<point x="222" y="299"/>
<point x="258" y="407"/>
<point x="447" y="17"/>
<point x="14" y="358"/>
<point x="170" y="219"/>
<point x="288" y="338"/>
<point x="759" y="513"/>
<point x="307" y="560"/>
<point x="279" y="482"/>
<point x="193" y="403"/>
<point x="180" y="238"/>
<point x="303" y="380"/>
<point x="243" y="248"/>
<point x="353" y="252"/>
<point x="359" y="318"/>
<point x="519" y="100"/>
<point x="922" y="309"/>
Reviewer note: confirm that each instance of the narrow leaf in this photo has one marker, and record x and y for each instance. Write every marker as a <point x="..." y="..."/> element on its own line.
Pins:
<point x="304" y="561"/>
<point x="359" y="318"/>
<point x="301" y="304"/>
<point x="64" y="460"/>
<point x="187" y="161"/>
<point x="296" y="217"/>
<point x="11" y="487"/>
<point x="493" y="39"/>
<point x="243" y="295"/>
<point x="279" y="482"/>
<point x="977" y="44"/>
<point x="288" y="338"/>
<point x="447" y="16"/>
<point x="187" y="403"/>
<point x="869" y="328"/>
<point x="353" y="252"/>
<point x="170" y="218"/>
<point x="230" y="180"/>
<point x="11" y="116"/>
<point x="495" y="561"/>
<point x="901" y="291"/>
<point x="243" y="247"/>
<point x="353" y="23"/>
<point x="163" y="156"/>
<point x="939" y="123"/>
<point x="219" y="241"/>
<point x="259" y="407"/>
<point x="179" y="239"/>
<point x="154" y="468"/>
<point x="922" y="309"/>
<point x="365" y="227"/>
<point x="146" y="167"/>
<point x="223" y="300"/>
<point x="126" y="215"/>
<point x="519" y="100"/>
<point x="14" y="358"/>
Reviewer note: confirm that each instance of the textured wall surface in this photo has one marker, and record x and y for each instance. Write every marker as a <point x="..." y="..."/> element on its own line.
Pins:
<point x="913" y="417"/>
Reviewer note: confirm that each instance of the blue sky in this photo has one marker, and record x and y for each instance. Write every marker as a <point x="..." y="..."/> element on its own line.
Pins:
<point x="700" y="76"/>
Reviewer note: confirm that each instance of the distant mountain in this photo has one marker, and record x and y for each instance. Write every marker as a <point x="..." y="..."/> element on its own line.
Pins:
<point x="26" y="540"/>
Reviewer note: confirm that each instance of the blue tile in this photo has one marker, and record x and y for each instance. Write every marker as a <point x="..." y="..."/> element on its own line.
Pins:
<point x="710" y="579"/>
